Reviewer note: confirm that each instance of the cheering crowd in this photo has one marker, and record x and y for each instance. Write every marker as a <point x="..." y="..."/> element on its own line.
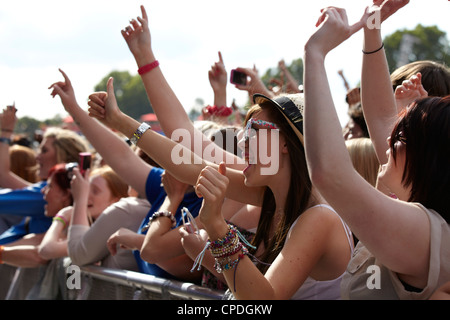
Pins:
<point x="330" y="205"/>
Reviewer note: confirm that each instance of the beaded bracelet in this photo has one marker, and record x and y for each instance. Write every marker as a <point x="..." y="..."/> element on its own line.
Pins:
<point x="226" y="250"/>
<point x="230" y="235"/>
<point x="158" y="214"/>
<point x="225" y="264"/>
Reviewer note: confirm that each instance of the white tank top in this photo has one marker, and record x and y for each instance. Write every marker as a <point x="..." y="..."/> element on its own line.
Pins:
<point x="323" y="290"/>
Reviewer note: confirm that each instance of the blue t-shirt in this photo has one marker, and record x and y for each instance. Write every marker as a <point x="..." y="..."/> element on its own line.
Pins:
<point x="156" y="195"/>
<point x="27" y="202"/>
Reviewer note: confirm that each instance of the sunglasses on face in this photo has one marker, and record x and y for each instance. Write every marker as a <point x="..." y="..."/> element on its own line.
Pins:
<point x="399" y="137"/>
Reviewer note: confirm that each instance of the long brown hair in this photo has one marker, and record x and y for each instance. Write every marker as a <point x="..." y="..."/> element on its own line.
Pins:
<point x="297" y="199"/>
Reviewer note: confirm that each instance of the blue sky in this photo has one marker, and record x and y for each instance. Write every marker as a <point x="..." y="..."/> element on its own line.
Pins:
<point x="83" y="38"/>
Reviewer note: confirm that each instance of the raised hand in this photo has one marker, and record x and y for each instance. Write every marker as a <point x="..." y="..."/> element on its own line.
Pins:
<point x="65" y="91"/>
<point x="218" y="75"/>
<point x="334" y="29"/>
<point x="212" y="185"/>
<point x="103" y="105"/>
<point x="409" y="91"/>
<point x="79" y="185"/>
<point x="387" y="8"/>
<point x="8" y="119"/>
<point x="137" y="37"/>
<point x="255" y="84"/>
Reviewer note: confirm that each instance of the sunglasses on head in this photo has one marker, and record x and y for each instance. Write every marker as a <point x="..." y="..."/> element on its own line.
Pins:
<point x="248" y="132"/>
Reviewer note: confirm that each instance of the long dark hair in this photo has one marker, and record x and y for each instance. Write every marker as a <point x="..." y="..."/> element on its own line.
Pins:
<point x="424" y="128"/>
<point x="297" y="199"/>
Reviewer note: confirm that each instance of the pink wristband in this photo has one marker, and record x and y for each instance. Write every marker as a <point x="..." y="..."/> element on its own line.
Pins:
<point x="148" y="67"/>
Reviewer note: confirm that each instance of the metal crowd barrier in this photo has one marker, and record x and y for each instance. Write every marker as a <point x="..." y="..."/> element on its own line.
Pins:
<point x="96" y="283"/>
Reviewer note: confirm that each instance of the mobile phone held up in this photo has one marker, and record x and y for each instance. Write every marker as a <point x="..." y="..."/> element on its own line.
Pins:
<point x="84" y="161"/>
<point x="188" y="221"/>
<point x="238" y="77"/>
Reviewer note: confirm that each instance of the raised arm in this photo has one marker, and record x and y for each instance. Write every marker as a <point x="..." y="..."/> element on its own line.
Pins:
<point x="218" y="78"/>
<point x="179" y="161"/>
<point x="162" y="98"/>
<point x="374" y="215"/>
<point x="8" y="179"/>
<point x="377" y="98"/>
<point x="255" y="84"/>
<point x="116" y="152"/>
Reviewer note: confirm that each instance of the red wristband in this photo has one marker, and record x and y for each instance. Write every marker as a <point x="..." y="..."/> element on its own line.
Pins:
<point x="148" y="67"/>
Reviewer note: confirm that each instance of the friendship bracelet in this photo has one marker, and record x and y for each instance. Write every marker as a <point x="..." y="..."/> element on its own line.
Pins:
<point x="225" y="264"/>
<point x="230" y="235"/>
<point x="139" y="132"/>
<point x="5" y="140"/>
<point x="226" y="252"/>
<point x="370" y="52"/>
<point x="148" y="67"/>
<point x="1" y="253"/>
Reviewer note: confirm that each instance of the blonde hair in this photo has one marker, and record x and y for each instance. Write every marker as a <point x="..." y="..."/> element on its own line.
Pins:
<point x="68" y="144"/>
<point x="118" y="188"/>
<point x="23" y="162"/>
<point x="364" y="158"/>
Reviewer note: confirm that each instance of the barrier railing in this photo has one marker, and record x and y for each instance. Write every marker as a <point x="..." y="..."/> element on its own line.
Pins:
<point x="96" y="283"/>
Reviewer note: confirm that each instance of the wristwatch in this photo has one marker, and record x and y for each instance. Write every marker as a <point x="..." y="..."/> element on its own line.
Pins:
<point x="139" y="132"/>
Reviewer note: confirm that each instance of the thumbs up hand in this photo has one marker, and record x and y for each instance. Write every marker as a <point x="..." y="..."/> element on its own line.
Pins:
<point x="212" y="185"/>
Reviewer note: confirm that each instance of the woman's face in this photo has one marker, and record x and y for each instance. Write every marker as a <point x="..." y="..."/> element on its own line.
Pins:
<point x="56" y="198"/>
<point x="261" y="143"/>
<point x="46" y="157"/>
<point x="100" y="196"/>
<point x="391" y="172"/>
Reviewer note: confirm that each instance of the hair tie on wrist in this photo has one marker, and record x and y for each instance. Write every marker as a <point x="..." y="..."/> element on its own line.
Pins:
<point x="148" y="67"/>
<point x="370" y="52"/>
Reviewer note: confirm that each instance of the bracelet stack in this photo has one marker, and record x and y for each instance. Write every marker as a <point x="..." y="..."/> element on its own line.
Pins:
<point x="158" y="214"/>
<point x="223" y="250"/>
<point x="61" y="219"/>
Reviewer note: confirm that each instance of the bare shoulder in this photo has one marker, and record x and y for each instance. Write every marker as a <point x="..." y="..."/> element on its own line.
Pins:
<point x="316" y="221"/>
